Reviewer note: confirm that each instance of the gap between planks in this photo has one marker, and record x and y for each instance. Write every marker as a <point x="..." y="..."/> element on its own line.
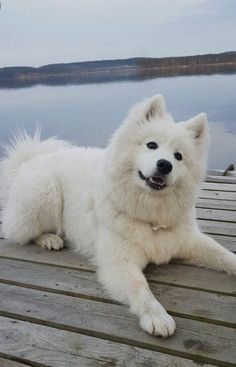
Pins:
<point x="197" y="278"/>
<point x="206" y="343"/>
<point x="184" y="302"/>
<point x="219" y="186"/>
<point x="70" y="349"/>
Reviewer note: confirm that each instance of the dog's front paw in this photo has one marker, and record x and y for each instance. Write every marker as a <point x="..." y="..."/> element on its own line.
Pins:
<point x="50" y="241"/>
<point x="158" y="322"/>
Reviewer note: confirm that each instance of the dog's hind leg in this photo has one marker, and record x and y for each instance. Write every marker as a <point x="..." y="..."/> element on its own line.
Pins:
<point x="50" y="241"/>
<point x="34" y="209"/>
<point x="206" y="252"/>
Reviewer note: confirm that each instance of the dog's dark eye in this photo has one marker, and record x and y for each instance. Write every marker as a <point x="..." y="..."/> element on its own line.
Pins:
<point x="178" y="156"/>
<point x="152" y="145"/>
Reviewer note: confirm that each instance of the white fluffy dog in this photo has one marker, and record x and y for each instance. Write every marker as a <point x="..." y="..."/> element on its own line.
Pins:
<point x="127" y="205"/>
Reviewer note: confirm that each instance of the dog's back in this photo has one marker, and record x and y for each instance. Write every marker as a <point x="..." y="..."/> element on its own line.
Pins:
<point x="22" y="149"/>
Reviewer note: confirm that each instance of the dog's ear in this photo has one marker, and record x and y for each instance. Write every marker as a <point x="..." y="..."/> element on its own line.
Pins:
<point x="153" y="108"/>
<point x="198" y="128"/>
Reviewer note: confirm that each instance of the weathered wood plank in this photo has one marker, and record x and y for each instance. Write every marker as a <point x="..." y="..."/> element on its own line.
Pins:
<point x="60" y="348"/>
<point x="68" y="258"/>
<point x="196" y="304"/>
<point x="194" y="339"/>
<point x="1" y="234"/>
<point x="7" y="363"/>
<point x="226" y="241"/>
<point x="192" y="277"/>
<point x="193" y="303"/>
<point x="217" y="227"/>
<point x="221" y="179"/>
<point x="219" y="186"/>
<point x="34" y="253"/>
<point x="219" y="195"/>
<point x="216" y="204"/>
<point x="217" y="214"/>
<point x="214" y="171"/>
<point x="198" y="278"/>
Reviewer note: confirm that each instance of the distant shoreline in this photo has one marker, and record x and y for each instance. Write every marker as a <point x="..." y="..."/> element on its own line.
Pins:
<point x="112" y="70"/>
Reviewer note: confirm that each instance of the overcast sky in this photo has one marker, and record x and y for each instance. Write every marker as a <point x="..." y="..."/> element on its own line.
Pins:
<point x="38" y="32"/>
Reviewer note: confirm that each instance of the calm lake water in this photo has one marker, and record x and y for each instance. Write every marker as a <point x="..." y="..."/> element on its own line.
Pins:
<point x="88" y="114"/>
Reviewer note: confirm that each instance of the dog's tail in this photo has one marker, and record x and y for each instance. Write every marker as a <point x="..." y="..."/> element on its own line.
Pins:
<point x="21" y="149"/>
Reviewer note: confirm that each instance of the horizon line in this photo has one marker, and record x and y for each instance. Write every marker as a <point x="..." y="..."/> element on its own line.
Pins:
<point x="118" y="59"/>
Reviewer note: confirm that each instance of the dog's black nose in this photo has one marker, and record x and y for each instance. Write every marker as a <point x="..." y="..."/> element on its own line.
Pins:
<point x="164" y="167"/>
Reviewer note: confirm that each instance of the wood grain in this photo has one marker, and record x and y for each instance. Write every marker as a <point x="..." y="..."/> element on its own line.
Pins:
<point x="219" y="195"/>
<point x="217" y="227"/>
<point x="216" y="204"/>
<point x="55" y="314"/>
<point x="219" y="187"/>
<point x="217" y="215"/>
<point x="196" y="340"/>
<point x="196" y="304"/>
<point x="61" y="348"/>
<point x="9" y="363"/>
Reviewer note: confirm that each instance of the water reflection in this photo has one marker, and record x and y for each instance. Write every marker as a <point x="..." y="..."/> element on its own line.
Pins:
<point x="88" y="114"/>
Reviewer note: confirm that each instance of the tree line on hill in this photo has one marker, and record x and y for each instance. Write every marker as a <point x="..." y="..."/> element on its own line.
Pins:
<point x="120" y="69"/>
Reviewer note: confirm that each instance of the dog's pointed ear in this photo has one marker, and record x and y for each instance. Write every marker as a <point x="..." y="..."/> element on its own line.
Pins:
<point x="198" y="128"/>
<point x="153" y="108"/>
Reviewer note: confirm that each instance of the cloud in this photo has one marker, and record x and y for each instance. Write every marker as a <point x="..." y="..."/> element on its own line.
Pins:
<point x="47" y="31"/>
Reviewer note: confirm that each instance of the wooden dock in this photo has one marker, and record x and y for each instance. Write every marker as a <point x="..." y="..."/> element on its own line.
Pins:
<point x="53" y="312"/>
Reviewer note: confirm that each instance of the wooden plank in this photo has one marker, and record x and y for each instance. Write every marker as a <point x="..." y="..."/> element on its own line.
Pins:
<point x="197" y="278"/>
<point x="7" y="363"/>
<point x="218" y="186"/>
<point x="55" y="348"/>
<point x="196" y="304"/>
<point x="216" y="204"/>
<point x="74" y="281"/>
<point x="228" y="242"/>
<point x="216" y="214"/>
<point x="192" y="277"/>
<point x="221" y="179"/>
<point x="219" y="172"/>
<point x="35" y="253"/>
<point x="195" y="340"/>
<point x="193" y="303"/>
<point x="1" y="234"/>
<point x="219" y="195"/>
<point x="217" y="227"/>
<point x="68" y="258"/>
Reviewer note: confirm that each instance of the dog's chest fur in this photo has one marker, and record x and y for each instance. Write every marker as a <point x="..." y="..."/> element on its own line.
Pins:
<point x="157" y="246"/>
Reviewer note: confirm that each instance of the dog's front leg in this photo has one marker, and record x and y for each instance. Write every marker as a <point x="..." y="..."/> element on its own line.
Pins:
<point x="205" y="251"/>
<point x="125" y="282"/>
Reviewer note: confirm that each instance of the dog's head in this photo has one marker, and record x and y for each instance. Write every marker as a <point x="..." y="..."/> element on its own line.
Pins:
<point x="152" y="152"/>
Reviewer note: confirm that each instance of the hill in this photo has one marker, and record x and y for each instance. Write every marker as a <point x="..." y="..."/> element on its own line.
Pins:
<point x="103" y="70"/>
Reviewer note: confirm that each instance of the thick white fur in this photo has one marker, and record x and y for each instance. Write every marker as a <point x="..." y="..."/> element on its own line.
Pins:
<point x="97" y="199"/>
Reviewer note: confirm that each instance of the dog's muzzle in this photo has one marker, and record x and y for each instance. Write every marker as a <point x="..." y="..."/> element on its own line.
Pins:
<point x="156" y="182"/>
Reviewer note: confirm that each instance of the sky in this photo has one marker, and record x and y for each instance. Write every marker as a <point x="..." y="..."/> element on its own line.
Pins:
<point x="39" y="32"/>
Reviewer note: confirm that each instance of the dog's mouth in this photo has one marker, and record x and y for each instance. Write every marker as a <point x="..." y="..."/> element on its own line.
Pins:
<point x="156" y="182"/>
